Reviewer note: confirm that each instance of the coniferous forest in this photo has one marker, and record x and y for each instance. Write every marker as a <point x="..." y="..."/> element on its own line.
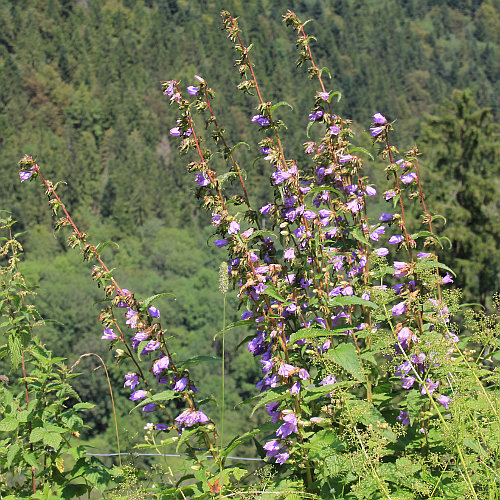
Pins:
<point x="81" y="92"/>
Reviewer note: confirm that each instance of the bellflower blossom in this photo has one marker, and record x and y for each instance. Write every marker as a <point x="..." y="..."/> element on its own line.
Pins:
<point x="201" y="180"/>
<point x="234" y="227"/>
<point x="131" y="380"/>
<point x="394" y="240"/>
<point x="316" y="116"/>
<point x="261" y="120"/>
<point x="190" y="417"/>
<point x="409" y="178"/>
<point x="136" y="395"/>
<point x="398" y="309"/>
<point x="382" y="251"/>
<point x="404" y="416"/>
<point x="25" y="175"/>
<point x="161" y="364"/>
<point x="444" y="400"/>
<point x="220" y="243"/>
<point x="150" y="407"/>
<point x="108" y="334"/>
<point x="192" y="90"/>
<point x="289" y="254"/>
<point x="153" y="312"/>
<point x="379" y="119"/>
<point x="289" y="426"/>
<point x="376" y="131"/>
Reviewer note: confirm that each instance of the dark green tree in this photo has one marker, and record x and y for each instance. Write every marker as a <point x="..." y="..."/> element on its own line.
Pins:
<point x="463" y="168"/>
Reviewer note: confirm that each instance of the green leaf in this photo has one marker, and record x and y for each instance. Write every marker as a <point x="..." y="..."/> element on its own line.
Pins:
<point x="432" y="263"/>
<point x="9" y="424"/>
<point x="15" y="351"/>
<point x="327" y="71"/>
<point x="161" y="396"/>
<point x="368" y="414"/>
<point x="101" y="246"/>
<point x="361" y="150"/>
<point x="52" y="439"/>
<point x="37" y="434"/>
<point x="186" y="433"/>
<point x="282" y="103"/>
<point x="345" y="355"/>
<point x="147" y="302"/>
<point x="312" y="393"/>
<point x="311" y="333"/>
<point x="437" y="216"/>
<point x="234" y="325"/>
<point x="74" y="491"/>
<point x="12" y="453"/>
<point x="272" y="292"/>
<point x="426" y="234"/>
<point x="337" y="93"/>
<point x="83" y="406"/>
<point x="241" y="143"/>
<point x="358" y="235"/>
<point x="22" y="416"/>
<point x="196" y="359"/>
<point x="30" y="458"/>
<point x="236" y="441"/>
<point x="350" y="300"/>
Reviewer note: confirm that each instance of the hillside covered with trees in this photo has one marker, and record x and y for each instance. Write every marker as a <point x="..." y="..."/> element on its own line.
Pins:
<point x="80" y="90"/>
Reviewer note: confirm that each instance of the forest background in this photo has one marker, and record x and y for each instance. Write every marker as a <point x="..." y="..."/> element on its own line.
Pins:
<point x="80" y="90"/>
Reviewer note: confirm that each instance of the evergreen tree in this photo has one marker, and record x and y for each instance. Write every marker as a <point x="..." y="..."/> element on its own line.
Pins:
<point x="462" y="145"/>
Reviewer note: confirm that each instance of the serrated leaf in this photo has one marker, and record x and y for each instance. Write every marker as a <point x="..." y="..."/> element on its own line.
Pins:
<point x="9" y="424"/>
<point x="83" y="406"/>
<point x="11" y="453"/>
<point x="101" y="246"/>
<point x="54" y="428"/>
<point x="271" y="395"/>
<point x="52" y="439"/>
<point x="15" y="351"/>
<point x="196" y="359"/>
<point x="350" y="300"/>
<point x="345" y="355"/>
<point x="261" y="232"/>
<point x="427" y="234"/>
<point x="22" y="416"/>
<point x="358" y="235"/>
<point x="361" y="150"/>
<point x="30" y="458"/>
<point x="234" y="325"/>
<point x="369" y="415"/>
<point x="316" y="392"/>
<point x="432" y="263"/>
<point x="161" y="396"/>
<point x="272" y="292"/>
<point x="74" y="491"/>
<point x="37" y="434"/>
<point x="414" y="403"/>
<point x="310" y="333"/>
<point x="150" y="300"/>
<point x="337" y="93"/>
<point x="325" y="69"/>
<point x="241" y="143"/>
<point x="186" y="433"/>
<point x="236" y="441"/>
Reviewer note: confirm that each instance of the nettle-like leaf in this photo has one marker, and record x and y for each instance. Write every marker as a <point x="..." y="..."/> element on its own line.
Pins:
<point x="346" y="356"/>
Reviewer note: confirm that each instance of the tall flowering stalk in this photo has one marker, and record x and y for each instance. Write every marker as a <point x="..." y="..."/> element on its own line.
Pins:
<point x="142" y="337"/>
<point x="326" y="299"/>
